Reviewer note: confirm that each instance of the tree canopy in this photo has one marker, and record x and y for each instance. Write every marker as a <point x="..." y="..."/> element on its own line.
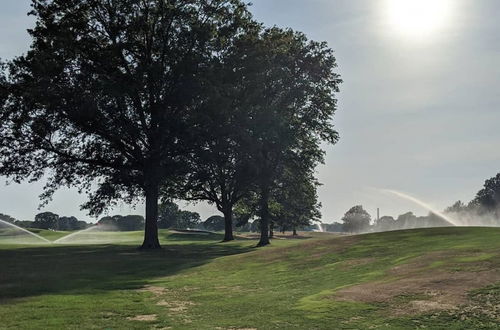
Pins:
<point x="295" y="200"/>
<point x="215" y="223"/>
<point x="7" y="218"/>
<point x="105" y="95"/>
<point x="46" y="220"/>
<point x="488" y="198"/>
<point x="289" y="84"/>
<point x="129" y="100"/>
<point x="356" y="219"/>
<point x="122" y="223"/>
<point x="171" y="216"/>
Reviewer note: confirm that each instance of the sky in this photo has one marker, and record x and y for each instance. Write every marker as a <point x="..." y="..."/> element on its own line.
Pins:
<point x="419" y="109"/>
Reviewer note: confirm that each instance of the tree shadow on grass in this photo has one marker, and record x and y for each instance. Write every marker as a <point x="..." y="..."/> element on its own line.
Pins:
<point x="33" y="271"/>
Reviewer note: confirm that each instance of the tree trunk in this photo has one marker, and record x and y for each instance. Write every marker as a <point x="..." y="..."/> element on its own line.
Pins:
<point x="271" y="230"/>
<point x="264" y="217"/>
<point x="228" y="221"/>
<point x="294" y="231"/>
<point x="151" y="227"/>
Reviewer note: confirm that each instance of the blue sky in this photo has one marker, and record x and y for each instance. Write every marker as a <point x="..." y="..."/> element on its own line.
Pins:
<point x="418" y="112"/>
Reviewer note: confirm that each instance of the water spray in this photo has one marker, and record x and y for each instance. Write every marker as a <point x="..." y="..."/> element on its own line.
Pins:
<point x="426" y="206"/>
<point x="64" y="238"/>
<point x="25" y="230"/>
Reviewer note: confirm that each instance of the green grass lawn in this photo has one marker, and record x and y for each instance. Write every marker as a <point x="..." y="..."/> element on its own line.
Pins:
<point x="444" y="278"/>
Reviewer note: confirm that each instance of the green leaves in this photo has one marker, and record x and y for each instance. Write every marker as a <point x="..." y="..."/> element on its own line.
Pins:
<point x="109" y="88"/>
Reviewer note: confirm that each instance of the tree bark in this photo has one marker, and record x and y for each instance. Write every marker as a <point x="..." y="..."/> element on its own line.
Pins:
<point x="294" y="231"/>
<point x="228" y="222"/>
<point x="151" y="227"/>
<point x="264" y="217"/>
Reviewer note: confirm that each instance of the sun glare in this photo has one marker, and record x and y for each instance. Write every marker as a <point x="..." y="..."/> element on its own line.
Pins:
<point x="418" y="18"/>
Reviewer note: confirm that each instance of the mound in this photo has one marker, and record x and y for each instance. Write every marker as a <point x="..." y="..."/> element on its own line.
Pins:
<point x="427" y="278"/>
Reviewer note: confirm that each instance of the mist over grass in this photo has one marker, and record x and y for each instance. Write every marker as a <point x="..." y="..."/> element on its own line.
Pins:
<point x="482" y="211"/>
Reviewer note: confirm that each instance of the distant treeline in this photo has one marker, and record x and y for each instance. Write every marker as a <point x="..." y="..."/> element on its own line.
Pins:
<point x="48" y="220"/>
<point x="170" y="217"/>
<point x="357" y="220"/>
<point x="483" y="210"/>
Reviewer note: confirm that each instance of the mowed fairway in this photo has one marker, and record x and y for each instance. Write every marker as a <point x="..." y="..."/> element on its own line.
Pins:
<point x="435" y="278"/>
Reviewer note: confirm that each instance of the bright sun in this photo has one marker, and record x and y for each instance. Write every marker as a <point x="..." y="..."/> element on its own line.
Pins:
<point x="419" y="18"/>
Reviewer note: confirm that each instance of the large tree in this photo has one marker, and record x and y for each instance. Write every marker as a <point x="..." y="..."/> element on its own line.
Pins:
<point x="290" y="85"/>
<point x="487" y="199"/>
<point x="104" y="97"/>
<point x="220" y="170"/>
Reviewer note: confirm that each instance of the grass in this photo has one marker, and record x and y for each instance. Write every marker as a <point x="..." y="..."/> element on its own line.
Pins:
<point x="51" y="235"/>
<point x="196" y="282"/>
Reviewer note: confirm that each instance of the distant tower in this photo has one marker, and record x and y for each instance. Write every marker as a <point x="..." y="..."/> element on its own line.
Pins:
<point x="378" y="214"/>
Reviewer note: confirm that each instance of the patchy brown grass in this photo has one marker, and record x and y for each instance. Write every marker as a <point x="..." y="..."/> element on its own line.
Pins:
<point x="411" y="290"/>
<point x="348" y="264"/>
<point x="176" y="306"/>
<point x="157" y="291"/>
<point x="168" y="298"/>
<point x="143" y="318"/>
<point x="318" y="248"/>
<point x="220" y="328"/>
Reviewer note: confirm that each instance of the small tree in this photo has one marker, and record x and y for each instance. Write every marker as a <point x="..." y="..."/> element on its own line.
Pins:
<point x="356" y="220"/>
<point x="457" y="207"/>
<point x="122" y="223"/>
<point x="385" y="223"/>
<point x="215" y="223"/>
<point x="131" y="223"/>
<point x="109" y="223"/>
<point x="407" y="220"/>
<point x="171" y="216"/>
<point x="68" y="223"/>
<point x="46" y="220"/>
<point x="295" y="200"/>
<point x="168" y="214"/>
<point x="188" y="220"/>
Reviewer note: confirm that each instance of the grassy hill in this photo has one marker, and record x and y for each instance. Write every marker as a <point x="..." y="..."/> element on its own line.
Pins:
<point x="434" y="278"/>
